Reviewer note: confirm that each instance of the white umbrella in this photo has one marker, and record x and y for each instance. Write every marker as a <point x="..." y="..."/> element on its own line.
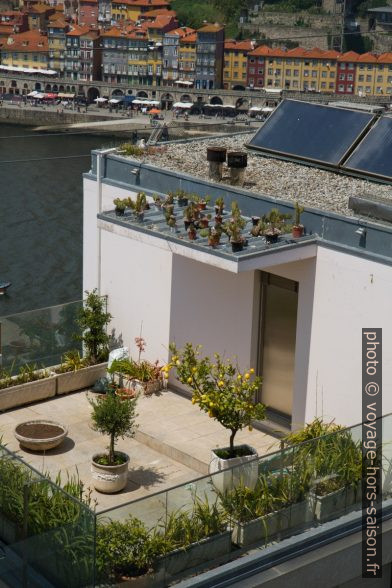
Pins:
<point x="183" y="105"/>
<point x="228" y="106"/>
<point x="115" y="100"/>
<point x="255" y="109"/>
<point x="267" y="109"/>
<point x="101" y="100"/>
<point x="33" y="93"/>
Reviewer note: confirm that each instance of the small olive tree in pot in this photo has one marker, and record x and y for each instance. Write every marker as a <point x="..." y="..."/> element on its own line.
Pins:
<point x="114" y="417"/>
<point x="227" y="395"/>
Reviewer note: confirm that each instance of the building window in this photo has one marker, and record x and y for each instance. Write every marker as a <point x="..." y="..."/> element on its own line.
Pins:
<point x="341" y="88"/>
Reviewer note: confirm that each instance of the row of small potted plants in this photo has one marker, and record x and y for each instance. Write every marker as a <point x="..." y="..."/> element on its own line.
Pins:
<point x="198" y="222"/>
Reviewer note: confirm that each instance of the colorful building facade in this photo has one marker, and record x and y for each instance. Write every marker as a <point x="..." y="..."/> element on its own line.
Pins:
<point x="236" y="63"/>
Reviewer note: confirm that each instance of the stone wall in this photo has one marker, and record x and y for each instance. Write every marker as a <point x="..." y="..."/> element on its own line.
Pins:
<point x="311" y="30"/>
<point x="38" y="117"/>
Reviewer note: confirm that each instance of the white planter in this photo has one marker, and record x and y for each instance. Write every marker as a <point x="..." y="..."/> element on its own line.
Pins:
<point x="269" y="526"/>
<point x="27" y="393"/>
<point x="206" y="550"/>
<point x="246" y="472"/>
<point x="80" y="379"/>
<point x="109" y="479"/>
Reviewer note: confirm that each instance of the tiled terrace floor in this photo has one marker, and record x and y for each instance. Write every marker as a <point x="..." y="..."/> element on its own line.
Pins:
<point x="172" y="445"/>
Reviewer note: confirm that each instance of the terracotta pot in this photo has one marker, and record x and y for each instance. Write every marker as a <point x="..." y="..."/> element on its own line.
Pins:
<point x="213" y="241"/>
<point x="202" y="205"/>
<point x="297" y="231"/>
<point x="192" y="235"/>
<point x="125" y="393"/>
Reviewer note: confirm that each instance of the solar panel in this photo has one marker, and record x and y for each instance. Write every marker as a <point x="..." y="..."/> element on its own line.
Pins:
<point x="311" y="131"/>
<point x="374" y="153"/>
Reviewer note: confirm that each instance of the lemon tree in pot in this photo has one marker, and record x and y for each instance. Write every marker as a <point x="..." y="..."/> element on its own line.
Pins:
<point x="227" y="395"/>
<point x="111" y="416"/>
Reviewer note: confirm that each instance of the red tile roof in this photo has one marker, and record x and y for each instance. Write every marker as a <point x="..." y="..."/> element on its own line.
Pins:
<point x="28" y="41"/>
<point x="231" y="45"/>
<point x="210" y="28"/>
<point x="349" y="56"/>
<point x="385" y="58"/>
<point x="367" y="58"/>
<point x="189" y="38"/>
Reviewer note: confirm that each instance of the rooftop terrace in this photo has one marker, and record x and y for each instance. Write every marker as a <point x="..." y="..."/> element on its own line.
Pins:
<point x="279" y="179"/>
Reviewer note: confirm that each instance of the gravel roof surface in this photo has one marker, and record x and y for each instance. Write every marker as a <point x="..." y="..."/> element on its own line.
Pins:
<point x="266" y="176"/>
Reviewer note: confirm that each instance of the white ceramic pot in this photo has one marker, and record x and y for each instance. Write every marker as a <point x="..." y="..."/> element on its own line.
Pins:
<point x="235" y="470"/>
<point x="109" y="479"/>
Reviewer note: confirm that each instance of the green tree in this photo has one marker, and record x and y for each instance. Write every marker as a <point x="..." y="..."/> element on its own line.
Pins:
<point x="93" y="320"/>
<point x="114" y="417"/>
<point x="219" y="388"/>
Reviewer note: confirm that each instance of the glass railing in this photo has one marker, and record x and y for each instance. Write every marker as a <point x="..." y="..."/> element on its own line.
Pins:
<point x="49" y="537"/>
<point x="46" y="535"/>
<point x="39" y="337"/>
<point x="214" y="519"/>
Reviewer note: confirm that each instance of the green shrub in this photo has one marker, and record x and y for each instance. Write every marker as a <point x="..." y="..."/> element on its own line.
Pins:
<point x="93" y="321"/>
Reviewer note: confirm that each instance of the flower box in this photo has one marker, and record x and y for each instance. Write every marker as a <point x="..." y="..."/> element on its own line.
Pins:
<point x="204" y="551"/>
<point x="335" y="504"/>
<point x="79" y="379"/>
<point x="269" y="526"/>
<point x="28" y="393"/>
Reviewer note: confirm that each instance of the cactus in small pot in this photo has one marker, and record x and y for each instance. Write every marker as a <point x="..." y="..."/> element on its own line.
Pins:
<point x="298" y="228"/>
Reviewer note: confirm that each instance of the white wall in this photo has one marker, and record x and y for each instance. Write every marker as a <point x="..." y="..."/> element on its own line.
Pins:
<point x="137" y="279"/>
<point x="212" y="307"/>
<point x="350" y="294"/>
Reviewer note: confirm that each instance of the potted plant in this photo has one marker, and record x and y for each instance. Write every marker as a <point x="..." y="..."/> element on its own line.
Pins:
<point x="276" y="505"/>
<point x="182" y="198"/>
<point x="75" y="373"/>
<point x="227" y="395"/>
<point x="298" y="229"/>
<point x="126" y="552"/>
<point x="336" y="463"/>
<point x="157" y="201"/>
<point x="110" y="416"/>
<point x="192" y="233"/>
<point x="139" y="205"/>
<point x="120" y="206"/>
<point x="195" y="537"/>
<point x="219" y="206"/>
<point x="141" y="375"/>
<point x="93" y="320"/>
<point x="214" y="236"/>
<point x="29" y="385"/>
<point x="275" y="224"/>
<point x="233" y="228"/>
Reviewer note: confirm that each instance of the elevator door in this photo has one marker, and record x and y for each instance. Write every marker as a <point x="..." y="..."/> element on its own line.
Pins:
<point x="277" y="349"/>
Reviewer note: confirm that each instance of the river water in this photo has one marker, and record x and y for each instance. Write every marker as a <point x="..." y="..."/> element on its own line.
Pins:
<point x="41" y="207"/>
